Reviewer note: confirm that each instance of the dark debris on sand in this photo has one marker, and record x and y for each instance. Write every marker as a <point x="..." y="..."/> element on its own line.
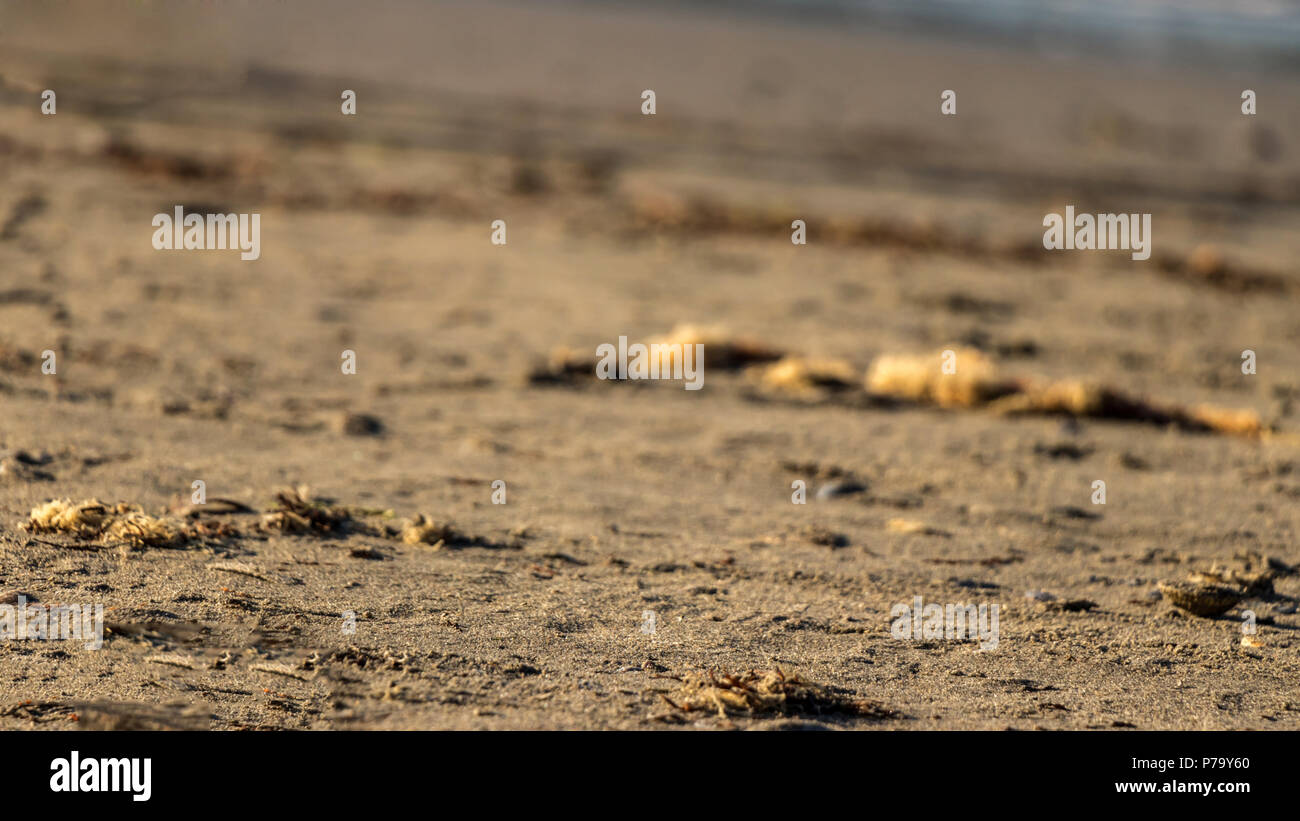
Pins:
<point x="766" y="693"/>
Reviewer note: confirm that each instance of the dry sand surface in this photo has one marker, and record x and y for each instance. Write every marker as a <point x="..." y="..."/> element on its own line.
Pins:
<point x="924" y="234"/>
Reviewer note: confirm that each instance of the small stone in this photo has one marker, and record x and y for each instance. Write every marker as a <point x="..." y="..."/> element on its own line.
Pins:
<point x="824" y="536"/>
<point x="912" y="526"/>
<point x="845" y="487"/>
<point x="22" y="466"/>
<point x="1206" y="260"/>
<point x="358" y="424"/>
<point x="1072" y="605"/>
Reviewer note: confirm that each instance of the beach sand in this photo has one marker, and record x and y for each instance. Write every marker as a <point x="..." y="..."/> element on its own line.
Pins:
<point x="629" y="499"/>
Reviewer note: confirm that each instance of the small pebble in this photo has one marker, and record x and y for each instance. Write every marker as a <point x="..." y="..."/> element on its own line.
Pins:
<point x="358" y="424"/>
<point x="847" y="487"/>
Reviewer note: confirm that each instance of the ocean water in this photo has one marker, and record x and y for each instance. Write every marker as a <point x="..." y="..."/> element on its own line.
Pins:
<point x="1247" y="29"/>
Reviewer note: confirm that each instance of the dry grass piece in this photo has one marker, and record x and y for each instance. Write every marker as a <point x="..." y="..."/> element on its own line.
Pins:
<point x="86" y="520"/>
<point x="564" y="366"/>
<point x="974" y="382"/>
<point x="1227" y="420"/>
<point x="142" y="530"/>
<point x="122" y="523"/>
<point x="806" y="378"/>
<point x="765" y="692"/>
<point x="423" y="530"/>
<point x="722" y="349"/>
<point x="1077" y="398"/>
<point x="297" y="512"/>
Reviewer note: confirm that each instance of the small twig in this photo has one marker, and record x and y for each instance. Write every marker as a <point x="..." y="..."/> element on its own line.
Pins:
<point x="278" y="670"/>
<point x="67" y="546"/>
<point x="174" y="661"/>
<point x="242" y="569"/>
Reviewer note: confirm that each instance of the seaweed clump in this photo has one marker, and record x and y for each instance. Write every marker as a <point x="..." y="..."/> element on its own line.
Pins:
<point x="296" y="511"/>
<point x="92" y="519"/>
<point x="765" y="692"/>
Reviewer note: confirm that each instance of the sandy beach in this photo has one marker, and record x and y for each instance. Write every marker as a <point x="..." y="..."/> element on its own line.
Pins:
<point x="648" y="538"/>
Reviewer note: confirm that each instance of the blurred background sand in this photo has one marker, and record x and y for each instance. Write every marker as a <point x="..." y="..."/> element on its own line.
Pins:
<point x="925" y="232"/>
